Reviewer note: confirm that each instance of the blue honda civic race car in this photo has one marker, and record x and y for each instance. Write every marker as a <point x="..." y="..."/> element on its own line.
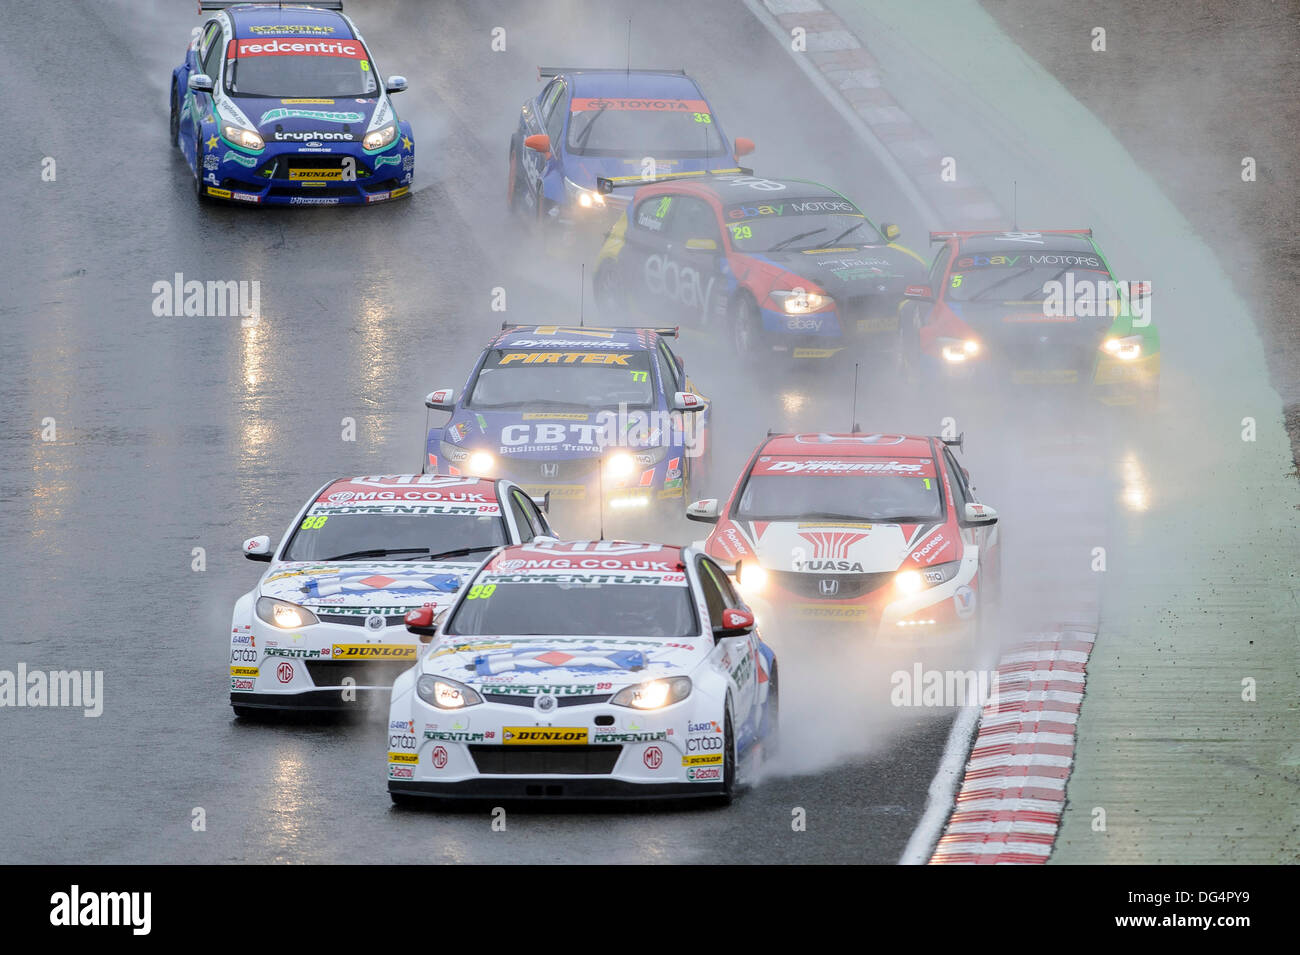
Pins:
<point x="603" y="416"/>
<point x="589" y="124"/>
<point x="282" y="104"/>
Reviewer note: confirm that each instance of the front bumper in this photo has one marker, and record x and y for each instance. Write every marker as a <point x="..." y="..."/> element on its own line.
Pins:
<point x="288" y="175"/>
<point x="487" y="749"/>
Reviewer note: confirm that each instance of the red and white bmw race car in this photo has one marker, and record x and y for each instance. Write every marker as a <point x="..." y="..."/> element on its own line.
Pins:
<point x="879" y="531"/>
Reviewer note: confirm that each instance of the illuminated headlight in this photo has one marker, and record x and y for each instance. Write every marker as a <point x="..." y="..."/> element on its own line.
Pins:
<point x="452" y="453"/>
<point x="445" y="694"/>
<point x="242" y="137"/>
<point x="753" y="578"/>
<point x="381" y="137"/>
<point x="1125" y="349"/>
<point x="912" y="581"/>
<point x="620" y="465"/>
<point x="481" y="462"/>
<point x="801" y="302"/>
<point x="286" y="616"/>
<point x="654" y="694"/>
<point x="585" y="198"/>
<point x="956" y="351"/>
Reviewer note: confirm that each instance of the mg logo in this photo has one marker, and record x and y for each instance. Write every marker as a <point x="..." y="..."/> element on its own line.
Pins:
<point x="653" y="757"/>
<point x="545" y="704"/>
<point x="439" y="757"/>
<point x="375" y="621"/>
<point x="828" y="586"/>
<point x="284" y="672"/>
<point x="550" y="470"/>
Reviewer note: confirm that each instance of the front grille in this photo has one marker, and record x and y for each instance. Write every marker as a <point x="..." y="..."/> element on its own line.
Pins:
<point x="365" y="673"/>
<point x="358" y="619"/>
<point x="343" y="190"/>
<point x="545" y="760"/>
<point x="578" y="471"/>
<point x="1048" y="356"/>
<point x="850" y="586"/>
<point x="511" y="699"/>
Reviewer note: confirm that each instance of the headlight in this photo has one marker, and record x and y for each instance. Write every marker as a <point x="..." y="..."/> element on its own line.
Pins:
<point x="446" y="694"/>
<point x="620" y="465"/>
<point x="452" y="453"/>
<point x="1125" y="349"/>
<point x="654" y="694"/>
<point x="956" y="350"/>
<point x="801" y="302"/>
<point x="482" y="462"/>
<point x="381" y="137"/>
<point x="911" y="581"/>
<point x="585" y="198"/>
<point x="242" y="137"/>
<point x="282" y="614"/>
<point x="753" y="578"/>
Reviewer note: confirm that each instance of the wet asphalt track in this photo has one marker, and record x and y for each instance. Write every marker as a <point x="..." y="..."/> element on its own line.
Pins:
<point x="177" y="433"/>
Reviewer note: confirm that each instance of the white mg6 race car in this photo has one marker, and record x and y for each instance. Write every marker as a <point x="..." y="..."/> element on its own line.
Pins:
<point x="323" y="628"/>
<point x="584" y="670"/>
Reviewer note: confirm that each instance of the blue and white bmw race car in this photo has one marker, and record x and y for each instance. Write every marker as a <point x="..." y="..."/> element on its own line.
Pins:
<point x="574" y="412"/>
<point x="282" y="104"/>
<point x="585" y="670"/>
<point x="323" y="628"/>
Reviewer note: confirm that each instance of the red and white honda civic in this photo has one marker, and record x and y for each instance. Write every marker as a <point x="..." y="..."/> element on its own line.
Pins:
<point x="879" y="531"/>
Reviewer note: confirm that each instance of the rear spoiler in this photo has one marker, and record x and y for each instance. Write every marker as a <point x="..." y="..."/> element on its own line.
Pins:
<point x="543" y="502"/>
<point x="206" y="5"/>
<point x="958" y="442"/>
<point x="667" y="332"/>
<point x="546" y="72"/>
<point x="606" y="185"/>
<point x="944" y="236"/>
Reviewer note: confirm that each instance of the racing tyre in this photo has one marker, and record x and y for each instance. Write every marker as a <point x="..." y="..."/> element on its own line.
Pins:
<point x="772" y="716"/>
<point x="747" y="328"/>
<point x="175" y="123"/>
<point x="728" y="759"/>
<point x="512" y="178"/>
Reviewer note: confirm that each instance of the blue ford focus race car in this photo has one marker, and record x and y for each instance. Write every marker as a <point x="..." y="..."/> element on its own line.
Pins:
<point x="620" y="125"/>
<point x="282" y="104"/>
<point x="601" y="415"/>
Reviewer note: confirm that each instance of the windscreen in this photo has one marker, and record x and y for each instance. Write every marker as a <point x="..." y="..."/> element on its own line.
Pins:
<point x="818" y="222"/>
<point x="631" y="127"/>
<point x="572" y="379"/>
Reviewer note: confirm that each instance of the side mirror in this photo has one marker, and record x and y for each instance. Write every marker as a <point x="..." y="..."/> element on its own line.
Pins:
<point x="422" y="622"/>
<point x="444" y="399"/>
<point x="702" y="245"/>
<point x="919" y="291"/>
<point x="396" y="84"/>
<point x="539" y="142"/>
<point x="688" y="401"/>
<point x="706" y="511"/>
<point x="258" y="548"/>
<point x="977" y="514"/>
<point x="890" y="231"/>
<point x="1137" y="291"/>
<point x="735" y="623"/>
<point x="200" y="83"/>
<point x="743" y="146"/>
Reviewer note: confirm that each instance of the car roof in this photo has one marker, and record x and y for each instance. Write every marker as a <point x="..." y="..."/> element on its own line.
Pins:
<point x="409" y="488"/>
<point x="858" y="445"/>
<point x="639" y="84"/>
<point x="608" y="555"/>
<point x="572" y="336"/>
<point x="253" y="20"/>
<point x="1002" y="241"/>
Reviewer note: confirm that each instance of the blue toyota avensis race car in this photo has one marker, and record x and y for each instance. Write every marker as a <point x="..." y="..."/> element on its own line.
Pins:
<point x="282" y="104"/>
<point x="610" y="124"/>
<point x="574" y="412"/>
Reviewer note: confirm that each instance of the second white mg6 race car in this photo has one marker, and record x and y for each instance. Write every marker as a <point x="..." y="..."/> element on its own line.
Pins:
<point x="584" y="670"/>
<point x="323" y="628"/>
